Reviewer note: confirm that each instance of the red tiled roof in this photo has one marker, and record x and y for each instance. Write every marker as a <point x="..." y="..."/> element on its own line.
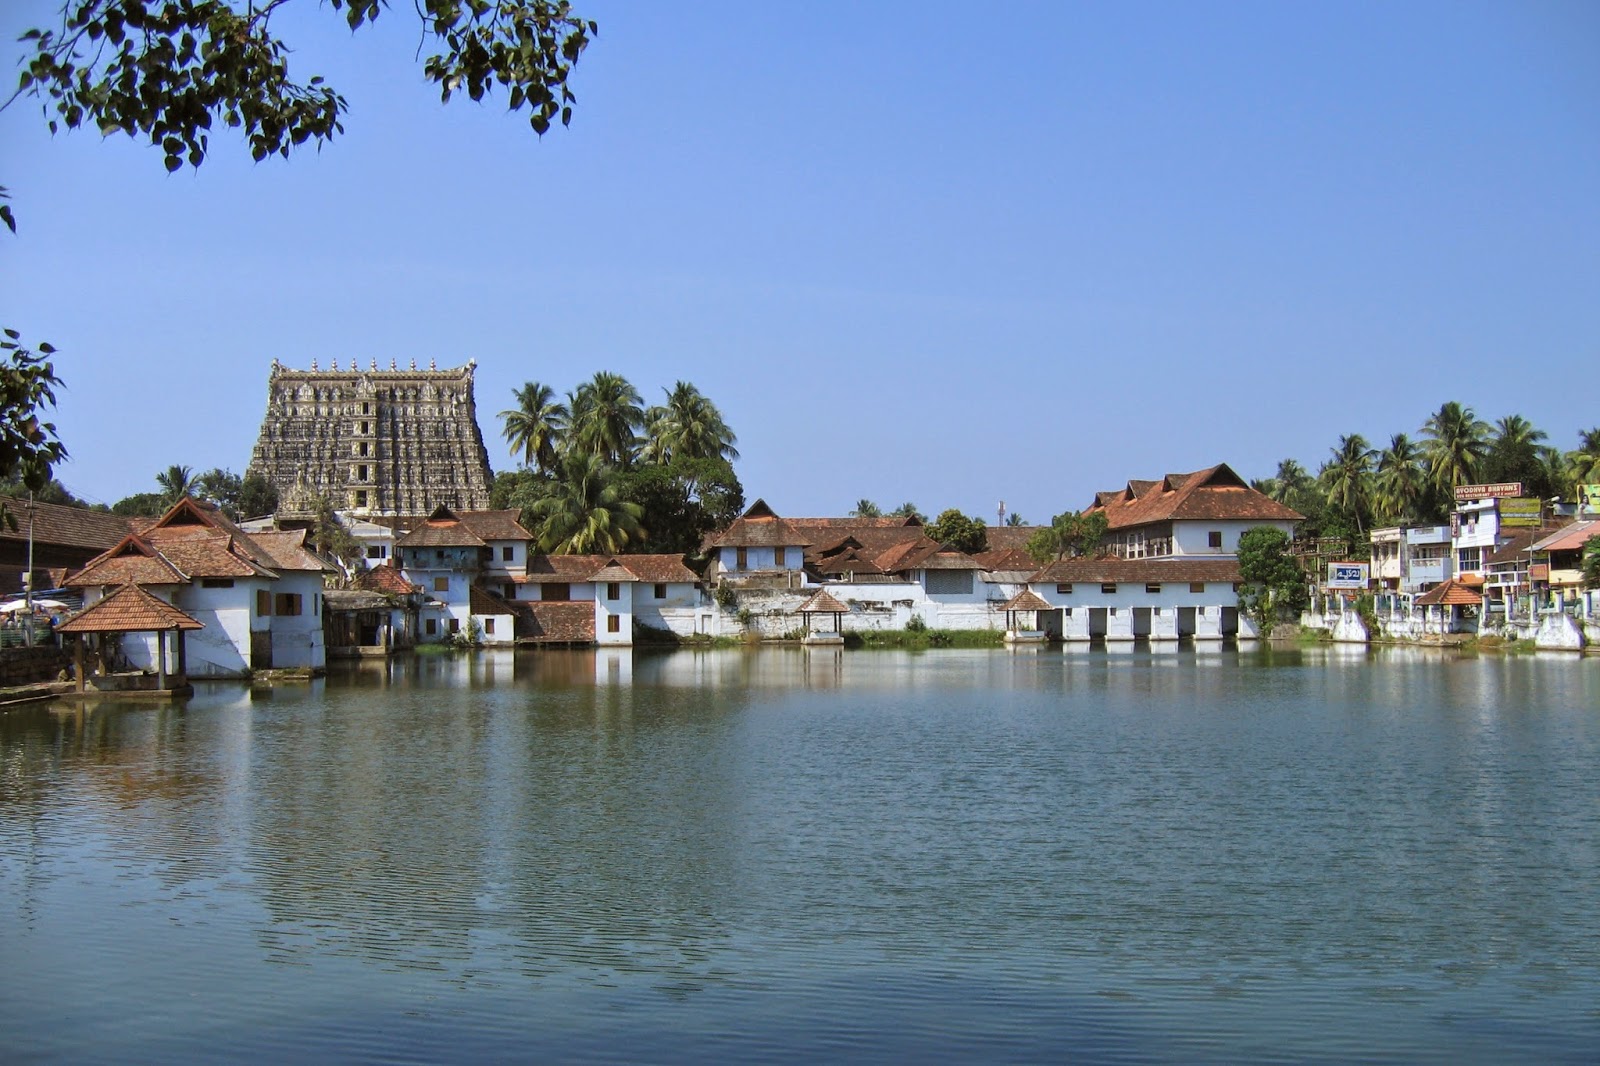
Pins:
<point x="1450" y="593"/>
<point x="215" y="554"/>
<point x="495" y="525"/>
<point x="286" y="549"/>
<point x="437" y="534"/>
<point x="1006" y="559"/>
<point x="130" y="609"/>
<point x="1135" y="571"/>
<point x="562" y="568"/>
<point x="1215" y="494"/>
<point x="1026" y="600"/>
<point x="385" y="579"/>
<point x="1008" y="538"/>
<point x="481" y="601"/>
<point x="1570" y="538"/>
<point x="651" y="569"/>
<point x="131" y="562"/>
<point x="1515" y="550"/>
<point x="820" y="602"/>
<point x="561" y="622"/>
<point x="54" y="523"/>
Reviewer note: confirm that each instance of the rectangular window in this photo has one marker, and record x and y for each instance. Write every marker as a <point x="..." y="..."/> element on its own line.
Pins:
<point x="661" y="592"/>
<point x="1108" y="587"/>
<point x="438" y="555"/>
<point x="361" y="499"/>
<point x="1064" y="587"/>
<point x="1153" y="586"/>
<point x="488" y="625"/>
<point x="366" y="408"/>
<point x="613" y="590"/>
<point x="780" y="557"/>
<point x="316" y="605"/>
<point x="455" y="625"/>
<point x="1069" y="612"/>
<point x="507" y="553"/>
<point x="1197" y="586"/>
<point x="286" y="604"/>
<point x="554" y="590"/>
<point x="949" y="582"/>
<point x="361" y="472"/>
<point x="366" y="427"/>
<point x="263" y="603"/>
<point x="740" y="559"/>
<point x="374" y="551"/>
<point x="510" y="592"/>
<point x="441" y="584"/>
<point x="216" y="582"/>
<point x="362" y="449"/>
<point x="431" y="627"/>
<point x="1214" y="539"/>
<point x="613" y="624"/>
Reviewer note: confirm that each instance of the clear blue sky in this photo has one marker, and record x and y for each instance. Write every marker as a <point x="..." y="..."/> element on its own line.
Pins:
<point x="937" y="252"/>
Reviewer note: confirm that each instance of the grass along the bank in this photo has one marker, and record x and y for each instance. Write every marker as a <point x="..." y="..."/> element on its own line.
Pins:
<point x="925" y="638"/>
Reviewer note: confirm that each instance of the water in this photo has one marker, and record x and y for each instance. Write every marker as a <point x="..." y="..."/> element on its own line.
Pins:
<point x="790" y="855"/>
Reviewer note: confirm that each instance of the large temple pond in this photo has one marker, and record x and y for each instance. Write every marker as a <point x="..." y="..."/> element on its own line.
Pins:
<point x="799" y="856"/>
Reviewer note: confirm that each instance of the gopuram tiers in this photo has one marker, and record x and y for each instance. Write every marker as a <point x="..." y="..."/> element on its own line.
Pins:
<point x="378" y="442"/>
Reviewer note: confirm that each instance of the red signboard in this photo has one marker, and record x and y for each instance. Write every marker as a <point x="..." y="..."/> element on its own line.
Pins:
<point x="1488" y="492"/>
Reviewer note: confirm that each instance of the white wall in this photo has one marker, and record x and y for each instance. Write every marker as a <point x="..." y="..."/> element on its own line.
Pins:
<point x="760" y="559"/>
<point x="297" y="639"/>
<point x="1192" y="538"/>
<point x="620" y="608"/>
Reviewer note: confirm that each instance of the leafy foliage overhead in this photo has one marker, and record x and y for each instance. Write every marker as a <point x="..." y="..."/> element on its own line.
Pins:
<point x="169" y="69"/>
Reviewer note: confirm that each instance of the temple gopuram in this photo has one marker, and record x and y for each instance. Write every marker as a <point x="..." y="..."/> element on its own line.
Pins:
<point x="378" y="442"/>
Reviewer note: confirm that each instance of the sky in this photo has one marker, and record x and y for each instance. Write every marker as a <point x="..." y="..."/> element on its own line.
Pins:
<point x="934" y="252"/>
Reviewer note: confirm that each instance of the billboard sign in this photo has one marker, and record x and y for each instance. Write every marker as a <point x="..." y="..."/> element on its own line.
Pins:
<point x="1348" y="575"/>
<point x="1591" y="497"/>
<point x="1488" y="492"/>
<point x="1519" y="511"/>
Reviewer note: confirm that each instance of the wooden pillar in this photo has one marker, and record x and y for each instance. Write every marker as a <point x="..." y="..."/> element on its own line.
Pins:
<point x="161" y="659"/>
<point x="77" y="659"/>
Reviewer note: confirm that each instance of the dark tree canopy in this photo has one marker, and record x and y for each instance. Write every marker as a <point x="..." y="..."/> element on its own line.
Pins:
<point x="959" y="532"/>
<point x="169" y="69"/>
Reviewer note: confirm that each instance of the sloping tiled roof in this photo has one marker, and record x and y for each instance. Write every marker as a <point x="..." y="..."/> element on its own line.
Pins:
<point x="1450" y="593"/>
<point x="1006" y="559"/>
<point x="215" y="554"/>
<point x="385" y="579"/>
<point x="1008" y="538"/>
<point x="440" y="534"/>
<point x="562" y="568"/>
<point x="1136" y="571"/>
<point x="1215" y="494"/>
<point x="130" y="609"/>
<point x="286" y="550"/>
<point x="482" y="601"/>
<point x="1569" y="538"/>
<point x="657" y="569"/>
<point x="1515" y="550"/>
<point x="131" y="562"/>
<point x="820" y="602"/>
<point x="355" y="600"/>
<point x="54" y="523"/>
<point x="561" y="622"/>
<point x="495" y="525"/>
<point x="1026" y="600"/>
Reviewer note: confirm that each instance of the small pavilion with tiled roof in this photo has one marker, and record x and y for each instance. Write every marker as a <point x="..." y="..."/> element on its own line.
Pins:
<point x="1444" y="603"/>
<point x="1027" y="603"/>
<point x="821" y="602"/>
<point x="131" y="609"/>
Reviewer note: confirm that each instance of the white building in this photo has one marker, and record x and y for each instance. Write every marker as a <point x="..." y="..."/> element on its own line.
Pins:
<point x="467" y="565"/>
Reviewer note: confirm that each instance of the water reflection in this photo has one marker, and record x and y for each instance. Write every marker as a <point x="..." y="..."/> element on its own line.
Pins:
<point x="1284" y="848"/>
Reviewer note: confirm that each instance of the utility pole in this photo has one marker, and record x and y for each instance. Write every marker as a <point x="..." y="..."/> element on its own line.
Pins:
<point x="27" y="580"/>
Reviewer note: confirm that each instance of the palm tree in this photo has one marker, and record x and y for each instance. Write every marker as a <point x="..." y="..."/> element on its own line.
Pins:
<point x="584" y="513"/>
<point x="1514" y="455"/>
<point x="1583" y="464"/>
<point x="689" y="426"/>
<point x="605" y="418"/>
<point x="1291" y="485"/>
<point x="865" y="508"/>
<point x="1347" y="477"/>
<point x="536" y="427"/>
<point x="909" y="510"/>
<point x="1401" y="485"/>
<point x="176" y="482"/>
<point x="1455" y="446"/>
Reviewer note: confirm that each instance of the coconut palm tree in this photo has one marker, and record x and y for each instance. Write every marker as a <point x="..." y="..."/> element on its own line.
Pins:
<point x="176" y="482"/>
<point x="1455" y="445"/>
<point x="536" y="428"/>
<point x="1401" y="485"/>
<point x="1514" y="455"/>
<point x="689" y="426"/>
<point x="909" y="510"/>
<point x="1583" y="464"/>
<point x="1291" y="485"/>
<point x="605" y="418"/>
<point x="1347" y="478"/>
<point x="865" y="508"/>
<point x="584" y="513"/>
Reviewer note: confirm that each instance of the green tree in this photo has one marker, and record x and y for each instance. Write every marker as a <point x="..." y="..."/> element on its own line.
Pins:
<point x="1274" y="583"/>
<point x="257" y="496"/>
<point x="1071" y="533"/>
<point x="1513" y="455"/>
<point x="51" y="491"/>
<point x="536" y="428"/>
<point x="1591" y="564"/>
<point x="29" y="448"/>
<point x="956" y="531"/>
<point x="1401" y="485"/>
<point x="330" y="539"/>
<point x="142" y="505"/>
<point x="687" y="426"/>
<point x="908" y="510"/>
<point x="682" y="501"/>
<point x="865" y="508"/>
<point x="585" y="511"/>
<point x="1455" y="444"/>
<point x="1347" y="479"/>
<point x="1583" y="462"/>
<point x="517" y="489"/>
<point x="221" y="487"/>
<point x="1014" y="519"/>
<point x="605" y="419"/>
<point x="176" y="482"/>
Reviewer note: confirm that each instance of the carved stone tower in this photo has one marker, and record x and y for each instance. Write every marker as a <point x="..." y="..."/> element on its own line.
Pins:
<point x="373" y="441"/>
